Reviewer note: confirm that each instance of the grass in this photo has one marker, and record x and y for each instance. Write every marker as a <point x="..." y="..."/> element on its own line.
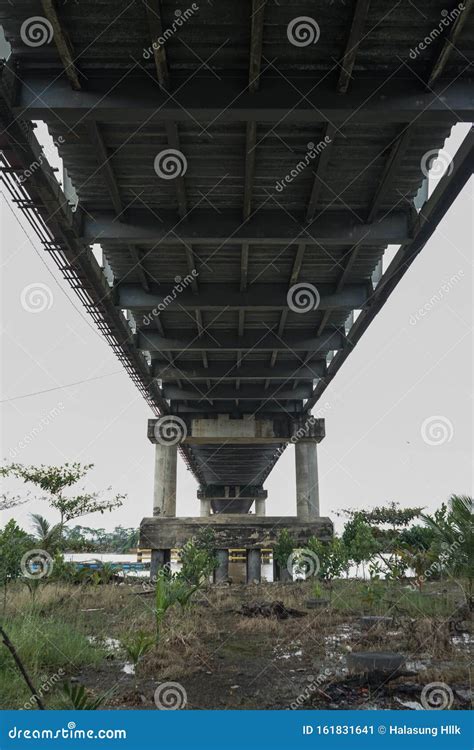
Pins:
<point x="52" y="636"/>
<point x="50" y="649"/>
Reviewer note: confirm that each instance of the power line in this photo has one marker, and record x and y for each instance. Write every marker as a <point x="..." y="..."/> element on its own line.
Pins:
<point x="48" y="268"/>
<point x="60" y="387"/>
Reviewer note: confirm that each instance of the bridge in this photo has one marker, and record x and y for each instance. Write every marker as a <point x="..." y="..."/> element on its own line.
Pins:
<point x="243" y="170"/>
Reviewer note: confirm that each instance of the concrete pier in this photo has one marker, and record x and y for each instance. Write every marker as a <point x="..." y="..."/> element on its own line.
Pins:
<point x="260" y="504"/>
<point x="307" y="481"/>
<point x="254" y="566"/>
<point x="221" y="573"/>
<point x="164" y="491"/>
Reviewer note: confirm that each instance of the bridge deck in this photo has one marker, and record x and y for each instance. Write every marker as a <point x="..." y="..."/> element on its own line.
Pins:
<point x="206" y="263"/>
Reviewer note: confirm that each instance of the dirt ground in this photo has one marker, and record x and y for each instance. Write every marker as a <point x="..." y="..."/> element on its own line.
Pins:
<point x="220" y="658"/>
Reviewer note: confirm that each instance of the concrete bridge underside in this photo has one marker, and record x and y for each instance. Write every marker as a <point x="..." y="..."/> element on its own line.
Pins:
<point x="294" y="167"/>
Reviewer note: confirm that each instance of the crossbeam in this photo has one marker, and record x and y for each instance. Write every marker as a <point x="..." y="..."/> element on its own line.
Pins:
<point x="248" y="370"/>
<point x="290" y="99"/>
<point x="244" y="393"/>
<point x="217" y="296"/>
<point x="204" y="226"/>
<point x="256" y="339"/>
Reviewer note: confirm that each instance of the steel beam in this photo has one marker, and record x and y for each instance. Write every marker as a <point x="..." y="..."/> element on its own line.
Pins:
<point x="333" y="228"/>
<point x="217" y="296"/>
<point x="450" y="41"/>
<point x="248" y="370"/>
<point x="63" y="44"/>
<point x="244" y="393"/>
<point x="355" y="37"/>
<point x="299" y="99"/>
<point x="432" y="212"/>
<point x="256" y="340"/>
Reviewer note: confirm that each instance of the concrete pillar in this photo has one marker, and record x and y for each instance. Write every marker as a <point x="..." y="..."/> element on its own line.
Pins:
<point x="164" y="493"/>
<point x="159" y="558"/>
<point x="281" y="573"/>
<point x="254" y="566"/>
<point x="260" y="506"/>
<point x="307" y="483"/>
<point x="221" y="573"/>
<point x="205" y="507"/>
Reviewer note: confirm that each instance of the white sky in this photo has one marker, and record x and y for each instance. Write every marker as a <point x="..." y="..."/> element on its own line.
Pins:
<point x="398" y="376"/>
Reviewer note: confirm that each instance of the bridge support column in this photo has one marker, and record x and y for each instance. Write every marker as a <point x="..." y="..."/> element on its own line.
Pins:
<point x="307" y="481"/>
<point x="260" y="506"/>
<point x="159" y="558"/>
<point x="254" y="566"/>
<point x="164" y="493"/>
<point x="205" y="507"/>
<point x="221" y="573"/>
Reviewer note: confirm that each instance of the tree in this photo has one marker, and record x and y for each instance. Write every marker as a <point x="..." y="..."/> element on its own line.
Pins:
<point x="332" y="556"/>
<point x="359" y="540"/>
<point x="54" y="480"/>
<point x="453" y="544"/>
<point x="14" y="543"/>
<point x="48" y="537"/>
<point x="197" y="558"/>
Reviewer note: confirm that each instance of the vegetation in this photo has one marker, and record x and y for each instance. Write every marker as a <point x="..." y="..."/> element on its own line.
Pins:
<point x="55" y="480"/>
<point x="453" y="544"/>
<point x="284" y="547"/>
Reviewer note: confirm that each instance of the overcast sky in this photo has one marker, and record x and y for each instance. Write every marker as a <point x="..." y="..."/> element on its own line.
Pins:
<point x="409" y="375"/>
